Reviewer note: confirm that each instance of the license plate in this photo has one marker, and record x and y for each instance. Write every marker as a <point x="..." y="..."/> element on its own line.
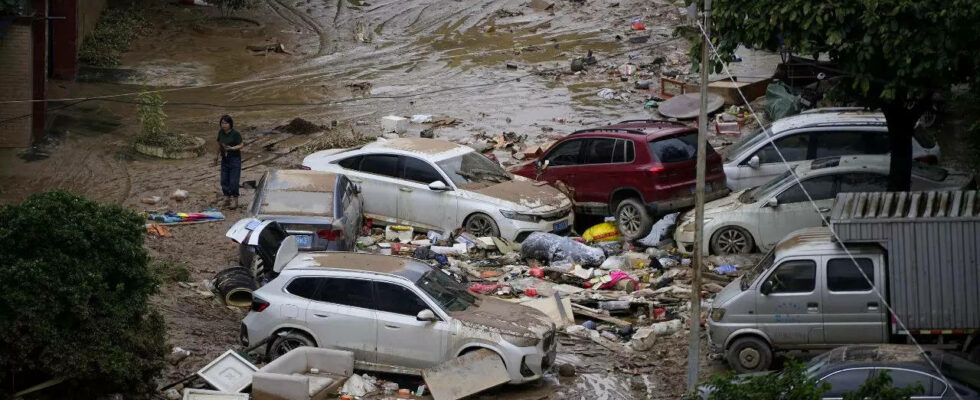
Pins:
<point x="304" y="241"/>
<point x="707" y="188"/>
<point x="561" y="225"/>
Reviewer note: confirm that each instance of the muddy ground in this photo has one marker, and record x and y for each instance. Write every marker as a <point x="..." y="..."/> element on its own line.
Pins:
<point x="346" y="64"/>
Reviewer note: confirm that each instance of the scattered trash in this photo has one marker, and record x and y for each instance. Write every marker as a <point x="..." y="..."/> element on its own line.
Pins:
<point x="179" y="195"/>
<point x="604" y="232"/>
<point x="157" y="230"/>
<point x="268" y="48"/>
<point x="551" y="247"/>
<point x="643" y="339"/>
<point x="173" y="218"/>
<point x="359" y="386"/>
<point x="643" y="85"/>
<point x="456" y="249"/>
<point x="612" y="94"/>
<point x="462" y="376"/>
<point x="637" y="25"/>
<point x="426" y="253"/>
<point x="152" y="200"/>
<point x="229" y="372"/>
<point x="308" y="373"/>
<point x="394" y="123"/>
<point x="235" y="286"/>
<point x="726" y="269"/>
<point x="421" y="119"/>
<point x="688" y="106"/>
<point x="401" y="233"/>
<point x="627" y="69"/>
<point x="660" y="230"/>
<point x="177" y="355"/>
<point x="203" y="394"/>
<point x="299" y="126"/>
<point x="385" y="248"/>
<point x="667" y="328"/>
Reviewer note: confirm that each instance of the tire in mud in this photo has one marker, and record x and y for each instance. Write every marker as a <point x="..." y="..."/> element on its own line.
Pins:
<point x="749" y="354"/>
<point x="284" y="343"/>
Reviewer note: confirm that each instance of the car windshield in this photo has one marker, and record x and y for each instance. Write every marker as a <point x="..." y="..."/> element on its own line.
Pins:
<point x="473" y="169"/>
<point x="451" y="295"/>
<point x="744" y="142"/>
<point x="762" y="191"/>
<point x="960" y="370"/>
<point x="749" y="276"/>
<point x="817" y="363"/>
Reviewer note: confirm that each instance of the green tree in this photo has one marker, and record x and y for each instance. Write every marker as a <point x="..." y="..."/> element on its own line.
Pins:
<point x="894" y="54"/>
<point x="792" y="383"/>
<point x="74" y="298"/>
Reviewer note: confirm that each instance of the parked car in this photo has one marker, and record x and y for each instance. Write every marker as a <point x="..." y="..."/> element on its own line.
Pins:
<point x="814" y="134"/>
<point x="634" y="170"/>
<point x="897" y="266"/>
<point x="846" y="368"/>
<point x="395" y="314"/>
<point x="439" y="185"/>
<point x="760" y="217"/>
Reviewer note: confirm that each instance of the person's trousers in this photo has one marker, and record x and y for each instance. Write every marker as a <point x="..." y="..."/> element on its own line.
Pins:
<point x="231" y="172"/>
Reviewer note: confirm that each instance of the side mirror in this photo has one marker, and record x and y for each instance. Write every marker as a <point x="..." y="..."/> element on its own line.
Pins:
<point x="426" y="315"/>
<point x="438" y="186"/>
<point x="772" y="202"/>
<point x="543" y="165"/>
<point x="753" y="162"/>
<point x="766" y="287"/>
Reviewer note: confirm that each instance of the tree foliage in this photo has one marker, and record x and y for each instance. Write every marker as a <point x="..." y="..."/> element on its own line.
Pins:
<point x="74" y="292"/>
<point x="792" y="383"/>
<point x="893" y="54"/>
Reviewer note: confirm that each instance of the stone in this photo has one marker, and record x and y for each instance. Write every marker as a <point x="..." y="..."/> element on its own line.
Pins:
<point x="643" y="339"/>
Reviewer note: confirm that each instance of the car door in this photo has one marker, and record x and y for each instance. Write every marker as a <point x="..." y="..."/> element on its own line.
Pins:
<point x="597" y="164"/>
<point x="420" y="206"/>
<point x="794" y="211"/>
<point x="852" y="311"/>
<point x="790" y="313"/>
<point x="932" y="386"/>
<point x="377" y="175"/>
<point x="844" y="381"/>
<point x="342" y="316"/>
<point x="564" y="160"/>
<point x="351" y="210"/>
<point x="794" y="147"/>
<point x="402" y="339"/>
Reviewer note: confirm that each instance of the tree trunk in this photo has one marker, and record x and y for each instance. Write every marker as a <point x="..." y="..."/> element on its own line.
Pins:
<point x="901" y="125"/>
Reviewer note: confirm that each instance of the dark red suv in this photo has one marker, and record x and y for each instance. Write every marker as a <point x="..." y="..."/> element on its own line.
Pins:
<point x="635" y="170"/>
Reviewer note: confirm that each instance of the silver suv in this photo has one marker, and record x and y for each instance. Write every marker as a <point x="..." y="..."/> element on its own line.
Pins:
<point x="395" y="314"/>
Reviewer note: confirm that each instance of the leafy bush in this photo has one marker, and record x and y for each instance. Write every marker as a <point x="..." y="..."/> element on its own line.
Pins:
<point x="74" y="298"/>
<point x="227" y="6"/>
<point x="171" y="271"/>
<point x="792" y="383"/>
<point x="153" y="128"/>
<point x="112" y="35"/>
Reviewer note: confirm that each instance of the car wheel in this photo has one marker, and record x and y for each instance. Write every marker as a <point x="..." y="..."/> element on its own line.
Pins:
<point x="633" y="219"/>
<point x="731" y="240"/>
<point x="481" y="225"/>
<point x="749" y="354"/>
<point x="284" y="343"/>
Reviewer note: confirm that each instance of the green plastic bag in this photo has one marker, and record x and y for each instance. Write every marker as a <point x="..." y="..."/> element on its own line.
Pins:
<point x="781" y="101"/>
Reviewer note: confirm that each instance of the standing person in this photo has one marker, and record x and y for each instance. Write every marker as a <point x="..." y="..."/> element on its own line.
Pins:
<point x="230" y="155"/>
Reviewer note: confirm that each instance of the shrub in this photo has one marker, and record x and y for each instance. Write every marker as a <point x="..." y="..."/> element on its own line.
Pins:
<point x="112" y="35"/>
<point x="74" y="298"/>
<point x="153" y="127"/>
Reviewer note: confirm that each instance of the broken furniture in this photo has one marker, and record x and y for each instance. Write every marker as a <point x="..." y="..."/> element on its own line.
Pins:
<point x="467" y="374"/>
<point x="230" y="372"/>
<point x="202" y="394"/>
<point x="303" y="373"/>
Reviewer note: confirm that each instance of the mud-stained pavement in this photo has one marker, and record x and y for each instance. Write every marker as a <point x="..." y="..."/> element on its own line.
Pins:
<point x="495" y="65"/>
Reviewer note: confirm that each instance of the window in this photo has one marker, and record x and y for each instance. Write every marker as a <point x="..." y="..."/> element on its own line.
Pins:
<point x="843" y="275"/>
<point x="794" y="277"/>
<point x="794" y="148"/>
<point x="348" y="292"/>
<point x="351" y="162"/>
<point x="840" y="143"/>
<point x="398" y="299"/>
<point x="904" y="378"/>
<point x="845" y="381"/>
<point x="420" y="171"/>
<point x="677" y="148"/>
<point x="623" y="152"/>
<point x="819" y="188"/>
<point x="599" y="151"/>
<point x="304" y="287"/>
<point x="381" y="164"/>
<point x="565" y="154"/>
<point x="863" y="182"/>
<point x="878" y="143"/>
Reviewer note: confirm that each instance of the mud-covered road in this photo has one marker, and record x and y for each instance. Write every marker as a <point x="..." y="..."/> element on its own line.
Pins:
<point x="351" y="62"/>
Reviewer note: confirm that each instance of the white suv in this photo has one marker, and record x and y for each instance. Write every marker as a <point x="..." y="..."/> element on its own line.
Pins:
<point x="395" y="314"/>
<point x="813" y="134"/>
<point x="438" y="185"/>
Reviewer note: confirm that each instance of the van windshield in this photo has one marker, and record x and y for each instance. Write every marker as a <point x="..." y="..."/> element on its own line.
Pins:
<point x="749" y="276"/>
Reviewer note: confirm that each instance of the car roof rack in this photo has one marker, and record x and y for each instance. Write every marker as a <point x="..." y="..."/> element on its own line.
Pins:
<point x="600" y="129"/>
<point x="653" y="120"/>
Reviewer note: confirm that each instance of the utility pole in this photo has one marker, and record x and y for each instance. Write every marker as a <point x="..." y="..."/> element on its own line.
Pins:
<point x="694" y="349"/>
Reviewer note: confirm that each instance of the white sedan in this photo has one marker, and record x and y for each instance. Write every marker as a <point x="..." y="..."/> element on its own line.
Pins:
<point x="762" y="216"/>
<point x="439" y="185"/>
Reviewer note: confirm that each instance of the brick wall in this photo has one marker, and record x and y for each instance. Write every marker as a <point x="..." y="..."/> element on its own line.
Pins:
<point x="16" y="83"/>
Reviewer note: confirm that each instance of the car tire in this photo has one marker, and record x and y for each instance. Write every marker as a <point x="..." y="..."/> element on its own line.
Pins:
<point x="731" y="240"/>
<point x="284" y="343"/>
<point x="633" y="220"/>
<point x="481" y="225"/>
<point x="749" y="354"/>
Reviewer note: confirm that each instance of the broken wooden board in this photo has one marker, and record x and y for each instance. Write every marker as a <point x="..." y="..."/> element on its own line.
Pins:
<point x="462" y="376"/>
<point x="583" y="311"/>
<point x="549" y="306"/>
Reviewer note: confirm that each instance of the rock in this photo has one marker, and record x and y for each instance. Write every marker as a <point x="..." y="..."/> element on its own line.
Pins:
<point x="566" y="370"/>
<point x="172" y="394"/>
<point x="578" y="64"/>
<point x="179" y="195"/>
<point x="394" y="123"/>
<point x="150" y="200"/>
<point x="667" y="328"/>
<point x="643" y="339"/>
<point x="428" y="133"/>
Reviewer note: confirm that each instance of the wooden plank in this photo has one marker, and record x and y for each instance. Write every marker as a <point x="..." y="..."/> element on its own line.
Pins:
<point x="586" y="312"/>
<point x="462" y="376"/>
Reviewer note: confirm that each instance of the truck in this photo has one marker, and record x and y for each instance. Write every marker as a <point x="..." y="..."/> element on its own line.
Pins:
<point x="891" y="267"/>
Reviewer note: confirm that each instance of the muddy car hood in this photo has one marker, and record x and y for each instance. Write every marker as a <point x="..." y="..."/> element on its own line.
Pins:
<point x="506" y="318"/>
<point x="723" y="205"/>
<point x="528" y="195"/>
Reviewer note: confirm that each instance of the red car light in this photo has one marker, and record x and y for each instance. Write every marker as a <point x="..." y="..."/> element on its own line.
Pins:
<point x="258" y="304"/>
<point x="658" y="168"/>
<point x="331" y="235"/>
<point x="931" y="160"/>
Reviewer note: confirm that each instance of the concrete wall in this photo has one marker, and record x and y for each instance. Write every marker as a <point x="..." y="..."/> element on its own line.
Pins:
<point x="88" y="15"/>
<point x="16" y="83"/>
